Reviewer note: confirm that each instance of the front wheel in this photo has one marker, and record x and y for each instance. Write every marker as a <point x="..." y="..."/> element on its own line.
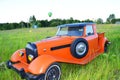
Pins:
<point x="53" y="72"/>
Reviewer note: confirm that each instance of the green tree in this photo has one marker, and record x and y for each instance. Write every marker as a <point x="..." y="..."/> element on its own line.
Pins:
<point x="113" y="21"/>
<point x="22" y="24"/>
<point x="44" y="23"/>
<point x="99" y="21"/>
<point x="87" y="20"/>
<point x="109" y="19"/>
<point x="55" y="22"/>
<point x="32" y="20"/>
<point x="38" y="23"/>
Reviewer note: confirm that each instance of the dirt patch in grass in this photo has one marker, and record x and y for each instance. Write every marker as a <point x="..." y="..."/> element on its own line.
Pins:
<point x="2" y="66"/>
<point x="117" y="74"/>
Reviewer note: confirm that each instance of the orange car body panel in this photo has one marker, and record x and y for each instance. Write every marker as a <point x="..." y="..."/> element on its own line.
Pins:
<point x="16" y="57"/>
<point x="42" y="62"/>
<point x="48" y="52"/>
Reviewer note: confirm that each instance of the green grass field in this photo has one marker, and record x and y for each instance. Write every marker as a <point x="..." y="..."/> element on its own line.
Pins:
<point x="104" y="67"/>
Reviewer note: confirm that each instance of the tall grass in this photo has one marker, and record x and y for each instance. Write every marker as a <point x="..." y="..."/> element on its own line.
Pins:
<point x="104" y="67"/>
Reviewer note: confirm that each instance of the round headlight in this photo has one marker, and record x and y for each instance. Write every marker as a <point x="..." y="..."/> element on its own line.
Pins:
<point x="21" y="53"/>
<point x="30" y="57"/>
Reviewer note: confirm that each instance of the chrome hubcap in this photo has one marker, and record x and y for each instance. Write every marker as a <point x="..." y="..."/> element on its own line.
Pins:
<point x="81" y="48"/>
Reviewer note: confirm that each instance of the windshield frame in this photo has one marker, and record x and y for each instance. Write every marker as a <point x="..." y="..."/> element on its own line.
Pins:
<point x="59" y="29"/>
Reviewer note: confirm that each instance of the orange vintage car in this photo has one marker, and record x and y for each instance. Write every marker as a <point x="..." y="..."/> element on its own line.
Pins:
<point x="77" y="43"/>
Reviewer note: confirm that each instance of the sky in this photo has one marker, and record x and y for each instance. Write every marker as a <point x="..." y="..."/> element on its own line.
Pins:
<point x="21" y="10"/>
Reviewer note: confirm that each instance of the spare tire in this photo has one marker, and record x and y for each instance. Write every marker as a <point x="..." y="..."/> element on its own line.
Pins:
<point x="79" y="48"/>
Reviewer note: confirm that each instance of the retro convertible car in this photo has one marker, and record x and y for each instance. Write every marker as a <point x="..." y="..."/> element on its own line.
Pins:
<point x="76" y="43"/>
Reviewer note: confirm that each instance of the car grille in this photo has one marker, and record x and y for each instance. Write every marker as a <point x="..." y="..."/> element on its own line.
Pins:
<point x="31" y="51"/>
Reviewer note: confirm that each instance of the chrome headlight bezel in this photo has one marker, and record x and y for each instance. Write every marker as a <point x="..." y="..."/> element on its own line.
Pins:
<point x="21" y="53"/>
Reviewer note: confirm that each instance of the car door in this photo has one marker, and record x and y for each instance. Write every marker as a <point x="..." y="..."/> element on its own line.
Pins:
<point x="92" y="39"/>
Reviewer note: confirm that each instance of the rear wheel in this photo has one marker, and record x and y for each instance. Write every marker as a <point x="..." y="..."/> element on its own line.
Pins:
<point x="105" y="48"/>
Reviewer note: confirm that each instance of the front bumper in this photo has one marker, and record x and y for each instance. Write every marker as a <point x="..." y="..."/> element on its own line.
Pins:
<point x="22" y="72"/>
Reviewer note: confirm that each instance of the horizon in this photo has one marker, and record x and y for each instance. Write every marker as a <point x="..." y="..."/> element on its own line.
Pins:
<point x="21" y="10"/>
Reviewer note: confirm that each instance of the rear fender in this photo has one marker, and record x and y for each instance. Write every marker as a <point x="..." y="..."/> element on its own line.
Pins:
<point x="101" y="41"/>
<point x="104" y="41"/>
<point x="40" y="64"/>
<point x="16" y="56"/>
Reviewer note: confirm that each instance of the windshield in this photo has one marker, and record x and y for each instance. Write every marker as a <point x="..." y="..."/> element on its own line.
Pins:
<point x="70" y="31"/>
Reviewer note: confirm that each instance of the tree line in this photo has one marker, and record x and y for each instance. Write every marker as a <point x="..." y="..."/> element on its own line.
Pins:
<point x="110" y="20"/>
<point x="39" y="23"/>
<point x="54" y="22"/>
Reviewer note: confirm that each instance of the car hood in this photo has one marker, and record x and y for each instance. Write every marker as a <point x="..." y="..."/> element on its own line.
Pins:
<point x="55" y="40"/>
<point x="47" y="44"/>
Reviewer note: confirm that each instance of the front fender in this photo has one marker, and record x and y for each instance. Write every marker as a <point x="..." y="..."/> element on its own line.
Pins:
<point x="16" y="57"/>
<point x="40" y="64"/>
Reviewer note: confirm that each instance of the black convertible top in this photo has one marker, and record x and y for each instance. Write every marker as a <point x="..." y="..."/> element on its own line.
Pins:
<point x="75" y="25"/>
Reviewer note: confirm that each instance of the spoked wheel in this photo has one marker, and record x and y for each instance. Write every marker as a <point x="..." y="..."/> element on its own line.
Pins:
<point x="53" y="72"/>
